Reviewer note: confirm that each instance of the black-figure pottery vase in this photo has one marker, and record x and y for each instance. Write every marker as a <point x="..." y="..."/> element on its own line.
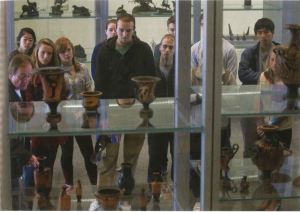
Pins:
<point x="54" y="87"/>
<point x="91" y="100"/>
<point x="268" y="152"/>
<point x="145" y="90"/>
<point x="287" y="58"/>
<point x="126" y="180"/>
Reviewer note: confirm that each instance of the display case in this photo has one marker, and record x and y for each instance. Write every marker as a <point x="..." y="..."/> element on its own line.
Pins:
<point x="169" y="114"/>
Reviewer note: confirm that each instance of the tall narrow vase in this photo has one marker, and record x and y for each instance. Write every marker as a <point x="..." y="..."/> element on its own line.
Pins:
<point x="288" y="61"/>
<point x="54" y="87"/>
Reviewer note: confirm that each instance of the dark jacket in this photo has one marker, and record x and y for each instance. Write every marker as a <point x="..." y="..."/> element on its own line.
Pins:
<point x="165" y="87"/>
<point x="249" y="65"/>
<point x="94" y="58"/>
<point x="114" y="70"/>
<point x="19" y="154"/>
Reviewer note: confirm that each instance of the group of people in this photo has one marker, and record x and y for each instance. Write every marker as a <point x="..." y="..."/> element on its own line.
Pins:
<point x="114" y="62"/>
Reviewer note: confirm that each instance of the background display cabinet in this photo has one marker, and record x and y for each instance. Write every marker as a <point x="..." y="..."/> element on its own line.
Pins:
<point x="206" y="176"/>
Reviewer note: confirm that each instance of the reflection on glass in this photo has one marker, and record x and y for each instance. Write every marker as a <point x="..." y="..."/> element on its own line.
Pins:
<point x="22" y="111"/>
<point x="90" y="119"/>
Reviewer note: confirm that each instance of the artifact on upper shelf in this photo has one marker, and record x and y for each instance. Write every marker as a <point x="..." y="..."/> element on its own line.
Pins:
<point x="78" y="191"/>
<point x="64" y="200"/>
<point x="120" y="10"/>
<point x="156" y="185"/>
<point x="42" y="178"/>
<point x="144" y="7"/>
<point x="56" y="10"/>
<point x="143" y="200"/>
<point x="80" y="11"/>
<point x="247" y="4"/>
<point x="79" y="53"/>
<point x="30" y="10"/>
<point x="21" y="111"/>
<point x="91" y="100"/>
<point x="145" y="90"/>
<point x="230" y="33"/>
<point x="54" y="88"/>
<point x="126" y="181"/>
<point x="288" y="60"/>
<point x="244" y="186"/>
<point x="165" y="8"/>
<point x="268" y="152"/>
<point x="108" y="198"/>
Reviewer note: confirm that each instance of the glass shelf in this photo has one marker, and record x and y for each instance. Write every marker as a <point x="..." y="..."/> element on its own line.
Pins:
<point x="256" y="100"/>
<point x="113" y="119"/>
<point x="45" y="15"/>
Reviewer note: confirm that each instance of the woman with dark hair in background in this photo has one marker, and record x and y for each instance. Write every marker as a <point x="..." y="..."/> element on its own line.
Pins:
<point x="25" y="41"/>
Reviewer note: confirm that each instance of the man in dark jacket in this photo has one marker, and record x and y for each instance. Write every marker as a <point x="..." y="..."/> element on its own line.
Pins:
<point x="119" y="59"/>
<point x="158" y="142"/>
<point x="253" y="62"/>
<point x="20" y="70"/>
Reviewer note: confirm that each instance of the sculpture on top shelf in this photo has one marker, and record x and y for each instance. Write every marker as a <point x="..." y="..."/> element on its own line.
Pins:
<point x="246" y="37"/>
<point x="29" y="10"/>
<point x="148" y="7"/>
<point x="145" y="90"/>
<point x="54" y="89"/>
<point x="56" y="10"/>
<point x="288" y="60"/>
<point x="120" y="10"/>
<point x="80" y="11"/>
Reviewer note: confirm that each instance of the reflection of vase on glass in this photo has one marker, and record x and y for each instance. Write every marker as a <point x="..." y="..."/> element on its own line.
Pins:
<point x="43" y="178"/>
<point x="108" y="198"/>
<point x="64" y="200"/>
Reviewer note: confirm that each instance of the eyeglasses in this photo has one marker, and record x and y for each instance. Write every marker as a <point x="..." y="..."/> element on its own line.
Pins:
<point x="167" y="46"/>
<point x="23" y="76"/>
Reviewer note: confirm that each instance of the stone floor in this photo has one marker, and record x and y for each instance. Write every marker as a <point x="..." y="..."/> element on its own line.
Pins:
<point x="79" y="172"/>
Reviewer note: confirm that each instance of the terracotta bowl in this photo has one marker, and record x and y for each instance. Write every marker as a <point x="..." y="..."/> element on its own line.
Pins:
<point x="108" y="198"/>
<point x="91" y="99"/>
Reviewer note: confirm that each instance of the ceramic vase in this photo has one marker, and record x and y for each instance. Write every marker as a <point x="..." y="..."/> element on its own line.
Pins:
<point x="288" y="62"/>
<point x="78" y="191"/>
<point x="268" y="152"/>
<point x="156" y="186"/>
<point x="91" y="100"/>
<point x="43" y="178"/>
<point x="126" y="180"/>
<point x="145" y="89"/>
<point x="64" y="201"/>
<point x="108" y="198"/>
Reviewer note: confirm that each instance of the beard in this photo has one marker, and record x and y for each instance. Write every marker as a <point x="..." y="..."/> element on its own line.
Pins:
<point x="166" y="62"/>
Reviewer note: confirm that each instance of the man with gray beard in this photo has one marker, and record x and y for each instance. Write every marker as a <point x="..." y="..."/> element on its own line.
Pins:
<point x="158" y="142"/>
